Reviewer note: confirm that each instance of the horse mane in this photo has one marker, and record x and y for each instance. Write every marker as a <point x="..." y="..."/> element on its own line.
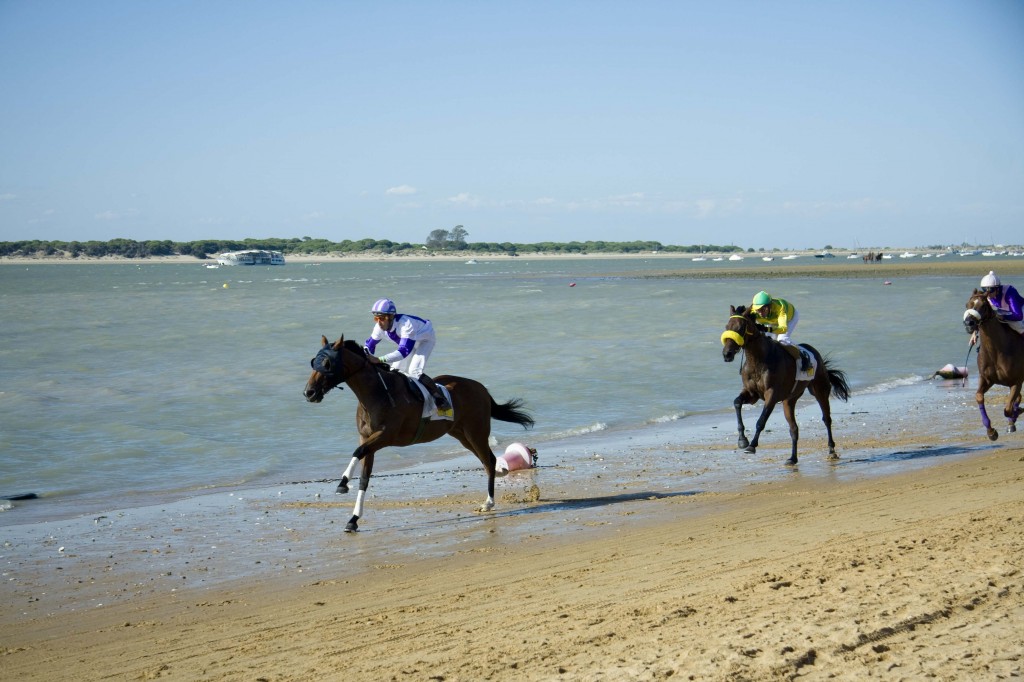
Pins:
<point x="353" y="346"/>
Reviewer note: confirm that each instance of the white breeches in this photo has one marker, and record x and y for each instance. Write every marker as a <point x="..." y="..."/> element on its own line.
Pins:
<point x="414" y="363"/>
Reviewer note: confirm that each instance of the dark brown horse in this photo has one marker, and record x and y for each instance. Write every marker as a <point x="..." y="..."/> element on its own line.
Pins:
<point x="770" y="374"/>
<point x="1000" y="359"/>
<point x="391" y="407"/>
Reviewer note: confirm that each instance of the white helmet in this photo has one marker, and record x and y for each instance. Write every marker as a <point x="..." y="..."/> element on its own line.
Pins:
<point x="990" y="280"/>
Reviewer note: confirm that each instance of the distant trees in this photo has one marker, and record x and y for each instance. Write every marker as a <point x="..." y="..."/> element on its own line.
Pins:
<point x="444" y="240"/>
<point x="438" y="240"/>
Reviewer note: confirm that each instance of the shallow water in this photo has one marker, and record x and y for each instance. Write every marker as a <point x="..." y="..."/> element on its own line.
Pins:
<point x="125" y="385"/>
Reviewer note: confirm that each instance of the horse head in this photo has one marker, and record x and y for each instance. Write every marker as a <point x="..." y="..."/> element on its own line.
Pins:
<point x="978" y="311"/>
<point x="328" y="369"/>
<point x="740" y="328"/>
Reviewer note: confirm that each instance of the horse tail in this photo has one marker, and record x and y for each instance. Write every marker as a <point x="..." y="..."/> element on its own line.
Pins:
<point x="837" y="377"/>
<point x="511" y="412"/>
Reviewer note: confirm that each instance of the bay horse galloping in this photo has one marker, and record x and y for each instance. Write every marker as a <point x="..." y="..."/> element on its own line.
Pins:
<point x="1000" y="359"/>
<point x="391" y="408"/>
<point x="770" y="374"/>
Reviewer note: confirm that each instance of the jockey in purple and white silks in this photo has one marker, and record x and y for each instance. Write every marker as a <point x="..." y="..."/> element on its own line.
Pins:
<point x="415" y="338"/>
<point x="1006" y="302"/>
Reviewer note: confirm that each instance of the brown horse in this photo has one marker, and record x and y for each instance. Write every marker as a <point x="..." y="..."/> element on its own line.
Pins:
<point x="391" y="407"/>
<point x="770" y="374"/>
<point x="1000" y="359"/>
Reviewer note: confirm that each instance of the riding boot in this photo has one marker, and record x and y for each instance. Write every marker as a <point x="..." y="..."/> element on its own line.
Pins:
<point x="439" y="399"/>
<point x="805" y="362"/>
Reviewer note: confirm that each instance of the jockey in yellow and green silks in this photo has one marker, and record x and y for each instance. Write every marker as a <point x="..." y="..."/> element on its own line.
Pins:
<point x="778" y="315"/>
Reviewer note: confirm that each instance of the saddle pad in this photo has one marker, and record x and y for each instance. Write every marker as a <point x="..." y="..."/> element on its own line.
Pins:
<point x="430" y="410"/>
<point x="812" y="365"/>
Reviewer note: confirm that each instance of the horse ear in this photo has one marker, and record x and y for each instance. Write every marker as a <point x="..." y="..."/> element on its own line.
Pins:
<point x="323" y="341"/>
<point x="732" y="310"/>
<point x="339" y="343"/>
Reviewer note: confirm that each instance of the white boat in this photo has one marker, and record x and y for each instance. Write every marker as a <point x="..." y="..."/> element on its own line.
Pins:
<point x="698" y="258"/>
<point x="735" y="256"/>
<point x="767" y="258"/>
<point x="852" y="255"/>
<point x="471" y="262"/>
<point x="251" y="257"/>
<point x="907" y="254"/>
<point x="790" y="256"/>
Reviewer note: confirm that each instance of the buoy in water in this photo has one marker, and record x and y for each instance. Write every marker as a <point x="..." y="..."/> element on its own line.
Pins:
<point x="572" y="284"/>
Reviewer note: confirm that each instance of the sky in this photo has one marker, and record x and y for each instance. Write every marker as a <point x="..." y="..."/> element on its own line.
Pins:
<point x="760" y="124"/>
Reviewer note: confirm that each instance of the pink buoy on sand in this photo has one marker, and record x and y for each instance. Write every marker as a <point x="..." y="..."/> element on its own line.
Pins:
<point x="517" y="456"/>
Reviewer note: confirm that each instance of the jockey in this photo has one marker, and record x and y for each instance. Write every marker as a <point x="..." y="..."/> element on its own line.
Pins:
<point x="1007" y="304"/>
<point x="780" y="317"/>
<point x="415" y="339"/>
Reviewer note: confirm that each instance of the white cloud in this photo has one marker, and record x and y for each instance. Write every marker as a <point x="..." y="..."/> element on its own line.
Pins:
<point x="8" y="197"/>
<point x="464" y="199"/>
<point x="401" y="189"/>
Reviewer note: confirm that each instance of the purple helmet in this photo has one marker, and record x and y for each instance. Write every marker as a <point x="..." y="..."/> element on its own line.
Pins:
<point x="384" y="306"/>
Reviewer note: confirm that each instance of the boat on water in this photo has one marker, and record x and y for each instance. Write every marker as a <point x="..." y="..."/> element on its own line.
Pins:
<point x="735" y="256"/>
<point x="790" y="256"/>
<point x="767" y="258"/>
<point x="698" y="259"/>
<point x="251" y="257"/>
<point x="825" y="254"/>
<point x="471" y="262"/>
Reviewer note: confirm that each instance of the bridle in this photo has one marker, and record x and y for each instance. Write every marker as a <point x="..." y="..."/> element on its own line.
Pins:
<point x="736" y="337"/>
<point x="328" y="362"/>
<point x="974" y="317"/>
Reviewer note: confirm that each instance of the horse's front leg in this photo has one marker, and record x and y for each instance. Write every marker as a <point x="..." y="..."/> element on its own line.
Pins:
<point x="364" y="483"/>
<point x="769" y="405"/>
<point x="741" y="400"/>
<point x="979" y="396"/>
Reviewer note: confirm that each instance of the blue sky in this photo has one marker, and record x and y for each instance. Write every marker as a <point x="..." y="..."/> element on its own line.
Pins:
<point x="760" y="124"/>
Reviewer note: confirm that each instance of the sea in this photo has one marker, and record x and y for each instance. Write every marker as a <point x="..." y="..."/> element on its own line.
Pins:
<point x="128" y="384"/>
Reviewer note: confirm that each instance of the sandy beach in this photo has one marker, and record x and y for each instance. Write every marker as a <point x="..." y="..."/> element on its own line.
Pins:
<point x="916" y="575"/>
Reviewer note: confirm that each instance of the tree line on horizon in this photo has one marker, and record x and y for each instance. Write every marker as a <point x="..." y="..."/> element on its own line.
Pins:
<point x="439" y="241"/>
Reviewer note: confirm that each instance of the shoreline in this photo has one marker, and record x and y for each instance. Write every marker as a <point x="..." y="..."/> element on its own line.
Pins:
<point x="751" y="267"/>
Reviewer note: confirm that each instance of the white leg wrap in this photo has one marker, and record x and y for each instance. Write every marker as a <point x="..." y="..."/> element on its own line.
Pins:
<point x="358" y="511"/>
<point x="351" y="466"/>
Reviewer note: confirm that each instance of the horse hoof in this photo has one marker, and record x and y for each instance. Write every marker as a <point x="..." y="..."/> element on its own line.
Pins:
<point x="750" y="449"/>
<point x="342" y="488"/>
<point x="993" y="435"/>
<point x="791" y="462"/>
<point x="352" y="526"/>
<point x="1012" y="428"/>
<point x="742" y="443"/>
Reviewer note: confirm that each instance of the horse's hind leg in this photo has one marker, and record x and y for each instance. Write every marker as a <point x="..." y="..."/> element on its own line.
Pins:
<point x="826" y="419"/>
<point x="1013" y="410"/>
<point x="789" y="409"/>
<point x="478" y="446"/>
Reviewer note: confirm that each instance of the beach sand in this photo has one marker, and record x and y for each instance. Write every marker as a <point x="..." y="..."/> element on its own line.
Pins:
<point x="916" y="575"/>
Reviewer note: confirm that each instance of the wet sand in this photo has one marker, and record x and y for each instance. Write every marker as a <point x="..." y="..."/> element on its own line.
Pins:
<point x="586" y="571"/>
